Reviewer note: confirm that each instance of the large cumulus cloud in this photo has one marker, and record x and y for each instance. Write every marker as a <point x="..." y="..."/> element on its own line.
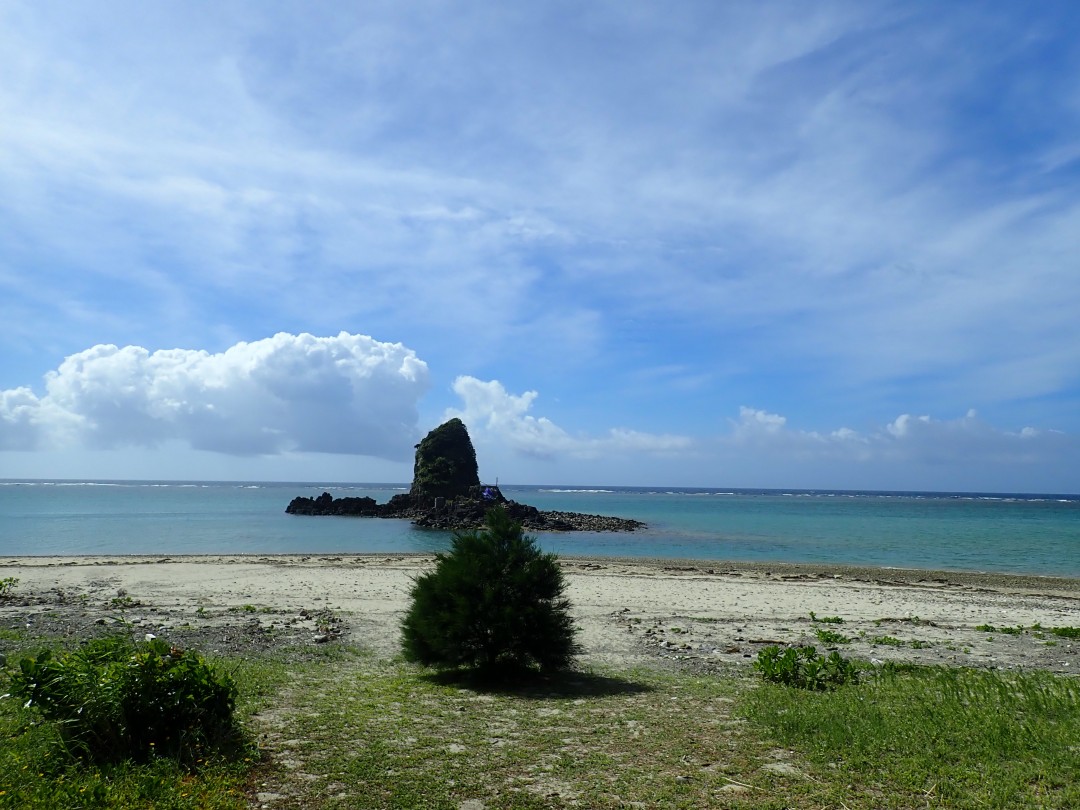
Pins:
<point x="343" y="394"/>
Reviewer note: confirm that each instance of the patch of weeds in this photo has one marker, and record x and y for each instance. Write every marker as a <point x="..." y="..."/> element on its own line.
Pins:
<point x="886" y="641"/>
<point x="1006" y="631"/>
<point x="917" y="644"/>
<point x="1066" y="632"/>
<point x="802" y="667"/>
<point x="831" y="637"/>
<point x="825" y="619"/>
<point x="123" y="602"/>
<point x="8" y="585"/>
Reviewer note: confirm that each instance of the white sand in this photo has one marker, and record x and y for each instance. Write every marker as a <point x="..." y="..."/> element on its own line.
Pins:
<point x="626" y="609"/>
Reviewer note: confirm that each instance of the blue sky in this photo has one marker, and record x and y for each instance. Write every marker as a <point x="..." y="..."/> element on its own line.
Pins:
<point x="716" y="244"/>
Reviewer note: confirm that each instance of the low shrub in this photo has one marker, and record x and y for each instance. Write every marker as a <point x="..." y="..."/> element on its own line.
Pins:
<point x="114" y="700"/>
<point x="493" y="601"/>
<point x="8" y="585"/>
<point x="831" y="637"/>
<point x="802" y="667"/>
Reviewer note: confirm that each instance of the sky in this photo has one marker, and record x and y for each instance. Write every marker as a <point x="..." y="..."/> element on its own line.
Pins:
<point x="814" y="245"/>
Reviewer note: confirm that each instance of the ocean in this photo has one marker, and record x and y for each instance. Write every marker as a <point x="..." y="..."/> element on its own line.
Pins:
<point x="1019" y="533"/>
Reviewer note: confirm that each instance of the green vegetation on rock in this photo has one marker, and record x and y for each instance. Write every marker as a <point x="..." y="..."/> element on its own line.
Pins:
<point x="445" y="463"/>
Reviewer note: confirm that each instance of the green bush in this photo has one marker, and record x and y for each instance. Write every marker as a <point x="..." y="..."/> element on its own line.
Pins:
<point x="802" y="667"/>
<point x="494" y="600"/>
<point x="113" y="700"/>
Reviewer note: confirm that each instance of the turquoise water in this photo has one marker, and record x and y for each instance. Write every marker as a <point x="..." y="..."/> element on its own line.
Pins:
<point x="1019" y="533"/>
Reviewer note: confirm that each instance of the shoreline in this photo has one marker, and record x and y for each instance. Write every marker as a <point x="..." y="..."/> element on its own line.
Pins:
<point x="884" y="575"/>
<point x="631" y="612"/>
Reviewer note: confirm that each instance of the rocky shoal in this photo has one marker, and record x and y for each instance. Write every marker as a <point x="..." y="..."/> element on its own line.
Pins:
<point x="460" y="514"/>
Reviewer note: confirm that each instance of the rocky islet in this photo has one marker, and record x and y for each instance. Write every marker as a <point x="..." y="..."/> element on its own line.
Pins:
<point x="446" y="493"/>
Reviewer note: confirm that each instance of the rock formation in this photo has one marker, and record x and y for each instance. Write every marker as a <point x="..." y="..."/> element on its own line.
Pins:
<point x="446" y="493"/>
<point x="445" y="464"/>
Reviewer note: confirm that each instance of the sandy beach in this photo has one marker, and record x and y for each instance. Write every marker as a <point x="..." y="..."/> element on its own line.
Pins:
<point x="631" y="612"/>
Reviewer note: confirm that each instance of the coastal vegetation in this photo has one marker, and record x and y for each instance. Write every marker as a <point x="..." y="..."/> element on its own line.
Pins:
<point x="493" y="601"/>
<point x="804" y="668"/>
<point x="316" y="717"/>
<point x="49" y="760"/>
<point x="115" y="700"/>
<point x="341" y="727"/>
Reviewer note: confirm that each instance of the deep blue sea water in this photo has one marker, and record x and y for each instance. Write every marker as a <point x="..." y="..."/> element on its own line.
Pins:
<point x="1035" y="534"/>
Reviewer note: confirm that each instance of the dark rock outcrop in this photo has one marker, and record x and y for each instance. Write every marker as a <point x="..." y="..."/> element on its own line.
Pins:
<point x="446" y="493"/>
<point x="326" y="504"/>
<point x="445" y="464"/>
<point x="461" y="513"/>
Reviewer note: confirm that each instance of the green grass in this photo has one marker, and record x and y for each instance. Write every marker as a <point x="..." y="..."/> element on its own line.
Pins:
<point x="339" y="728"/>
<point x="392" y="736"/>
<point x="915" y="737"/>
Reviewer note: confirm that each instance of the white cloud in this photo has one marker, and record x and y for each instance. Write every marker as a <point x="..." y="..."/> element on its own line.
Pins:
<point x="504" y="417"/>
<point x="907" y="439"/>
<point x="753" y="422"/>
<point x="344" y="394"/>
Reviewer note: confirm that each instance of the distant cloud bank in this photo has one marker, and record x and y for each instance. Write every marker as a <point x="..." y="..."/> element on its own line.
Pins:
<point x="907" y="438"/>
<point x="354" y="395"/>
<point x="344" y="394"/>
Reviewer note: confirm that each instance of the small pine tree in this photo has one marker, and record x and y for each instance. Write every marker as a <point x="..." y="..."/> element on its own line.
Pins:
<point x="494" y="600"/>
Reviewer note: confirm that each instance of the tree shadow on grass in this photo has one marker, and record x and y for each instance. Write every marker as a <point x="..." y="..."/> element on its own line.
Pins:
<point x="534" y="685"/>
